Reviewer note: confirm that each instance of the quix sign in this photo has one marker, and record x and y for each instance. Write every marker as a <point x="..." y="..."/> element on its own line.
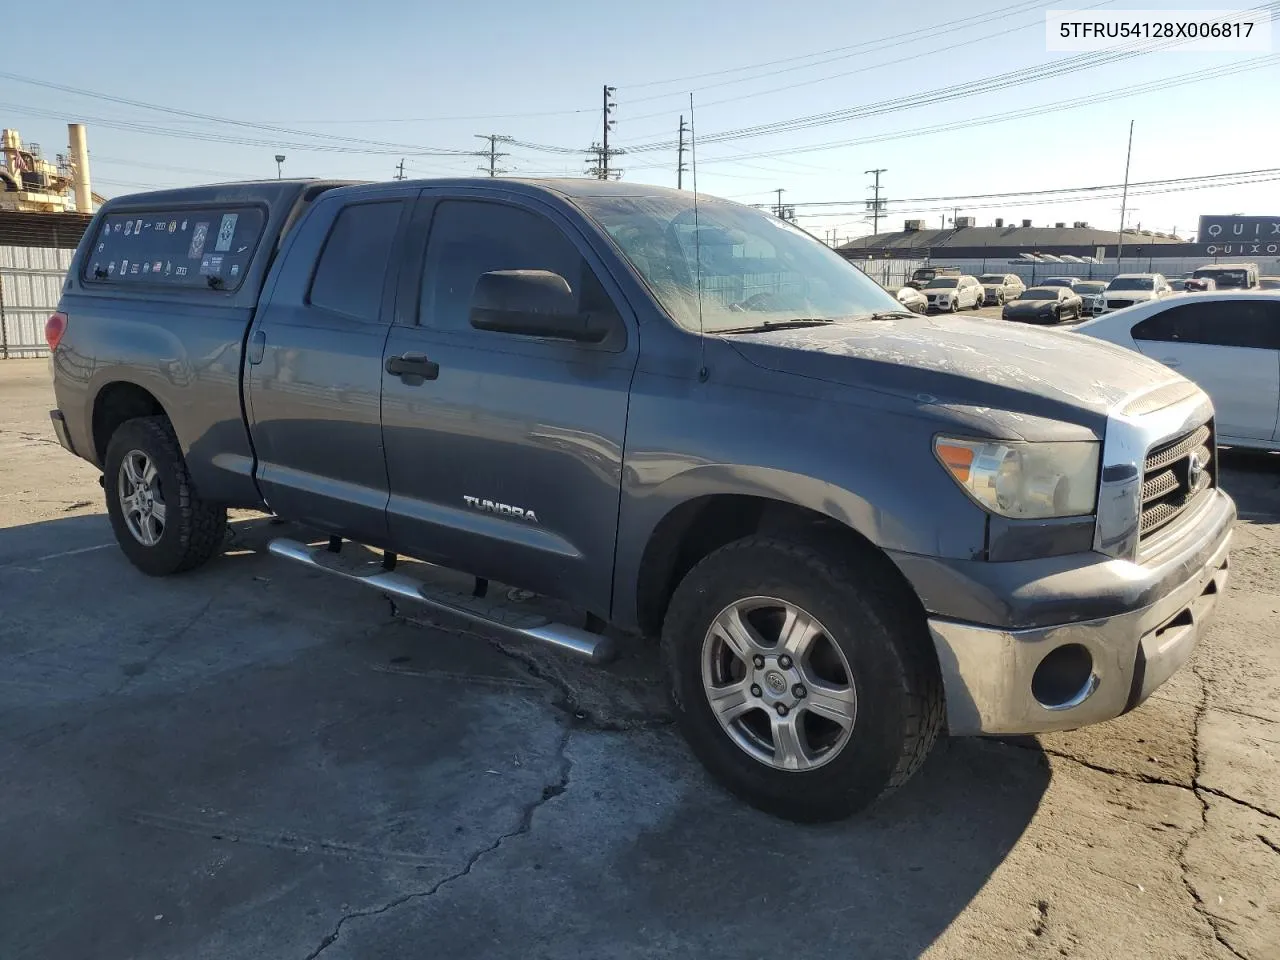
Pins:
<point x="1240" y="236"/>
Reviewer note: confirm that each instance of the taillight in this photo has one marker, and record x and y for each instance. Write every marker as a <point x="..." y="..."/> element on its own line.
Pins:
<point x="54" y="328"/>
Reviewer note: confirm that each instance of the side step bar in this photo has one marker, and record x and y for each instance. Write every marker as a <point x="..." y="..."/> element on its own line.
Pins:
<point x="503" y="617"/>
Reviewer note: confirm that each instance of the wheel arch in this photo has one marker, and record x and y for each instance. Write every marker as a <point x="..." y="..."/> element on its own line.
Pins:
<point x="115" y="403"/>
<point x="691" y="530"/>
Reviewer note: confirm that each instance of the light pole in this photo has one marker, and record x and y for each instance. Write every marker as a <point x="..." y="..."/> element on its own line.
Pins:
<point x="279" y="161"/>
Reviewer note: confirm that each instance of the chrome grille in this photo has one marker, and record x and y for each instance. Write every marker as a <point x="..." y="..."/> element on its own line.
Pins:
<point x="1174" y="475"/>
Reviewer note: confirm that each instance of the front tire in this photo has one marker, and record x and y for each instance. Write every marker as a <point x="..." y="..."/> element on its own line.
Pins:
<point x="803" y="677"/>
<point x="159" y="522"/>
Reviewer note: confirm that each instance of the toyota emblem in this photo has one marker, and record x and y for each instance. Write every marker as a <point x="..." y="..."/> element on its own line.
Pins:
<point x="1195" y="470"/>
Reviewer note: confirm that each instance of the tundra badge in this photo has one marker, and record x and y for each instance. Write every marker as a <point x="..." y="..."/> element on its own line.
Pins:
<point x="488" y="506"/>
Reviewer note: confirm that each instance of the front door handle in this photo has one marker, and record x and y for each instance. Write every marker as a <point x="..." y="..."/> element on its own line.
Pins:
<point x="257" y="346"/>
<point x="410" y="365"/>
<point x="1170" y="362"/>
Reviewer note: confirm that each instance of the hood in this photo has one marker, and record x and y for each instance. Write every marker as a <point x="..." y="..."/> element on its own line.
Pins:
<point x="970" y="362"/>
<point x="1134" y="295"/>
<point x="1030" y="306"/>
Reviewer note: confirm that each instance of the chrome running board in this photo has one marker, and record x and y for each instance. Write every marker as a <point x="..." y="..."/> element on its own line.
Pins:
<point x="506" y="618"/>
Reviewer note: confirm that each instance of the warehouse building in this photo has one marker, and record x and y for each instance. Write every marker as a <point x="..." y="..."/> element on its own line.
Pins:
<point x="967" y="240"/>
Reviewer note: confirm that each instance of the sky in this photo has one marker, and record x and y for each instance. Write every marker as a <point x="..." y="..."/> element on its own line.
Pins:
<point x="351" y="89"/>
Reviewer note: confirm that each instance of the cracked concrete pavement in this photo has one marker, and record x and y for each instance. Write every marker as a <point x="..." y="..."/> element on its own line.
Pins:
<point x="254" y="760"/>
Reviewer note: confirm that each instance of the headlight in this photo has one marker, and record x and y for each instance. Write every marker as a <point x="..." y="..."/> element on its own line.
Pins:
<point x="1026" y="481"/>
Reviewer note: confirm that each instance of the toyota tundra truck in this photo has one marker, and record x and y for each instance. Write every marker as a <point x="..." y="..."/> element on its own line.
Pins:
<point x="849" y="527"/>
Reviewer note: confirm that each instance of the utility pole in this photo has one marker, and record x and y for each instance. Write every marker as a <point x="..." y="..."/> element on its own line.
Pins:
<point x="680" y="167"/>
<point x="607" y="108"/>
<point x="399" y="170"/>
<point x="603" y="154"/>
<point x="279" y="166"/>
<point x="1124" y="197"/>
<point x="777" y="209"/>
<point x="876" y="208"/>
<point x="492" y="154"/>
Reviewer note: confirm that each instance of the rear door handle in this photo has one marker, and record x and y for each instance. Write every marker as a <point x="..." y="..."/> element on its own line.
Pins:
<point x="409" y="365"/>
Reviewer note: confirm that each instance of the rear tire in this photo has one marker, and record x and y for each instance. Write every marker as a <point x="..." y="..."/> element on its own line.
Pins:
<point x="159" y="522"/>
<point x="877" y="642"/>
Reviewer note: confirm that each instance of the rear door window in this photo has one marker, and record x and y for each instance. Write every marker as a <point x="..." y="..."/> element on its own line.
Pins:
<point x="353" y="266"/>
<point x="205" y="247"/>
<point x="1222" y="323"/>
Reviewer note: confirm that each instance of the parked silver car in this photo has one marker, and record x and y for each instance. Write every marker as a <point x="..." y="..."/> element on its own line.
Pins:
<point x="999" y="288"/>
<point x="1092" y="294"/>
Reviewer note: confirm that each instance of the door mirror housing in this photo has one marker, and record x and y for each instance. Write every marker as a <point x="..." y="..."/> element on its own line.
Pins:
<point x="533" y="303"/>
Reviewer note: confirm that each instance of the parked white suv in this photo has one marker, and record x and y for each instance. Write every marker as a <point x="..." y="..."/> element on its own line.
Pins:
<point x="954" y="293"/>
<point x="1130" y="288"/>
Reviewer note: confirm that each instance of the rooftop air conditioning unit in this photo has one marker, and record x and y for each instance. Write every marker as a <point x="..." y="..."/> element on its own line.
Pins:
<point x="1080" y="225"/>
<point x="1060" y="226"/>
<point x="1026" y="223"/>
<point x="999" y="221"/>
<point x="962" y="222"/>
<point x="912" y="226"/>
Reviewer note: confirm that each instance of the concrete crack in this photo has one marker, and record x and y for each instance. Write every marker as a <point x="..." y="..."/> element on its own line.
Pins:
<point x="1146" y="778"/>
<point x="1215" y="924"/>
<point x="565" y="698"/>
<point x="135" y="670"/>
<point x="525" y="824"/>
<point x="1268" y="842"/>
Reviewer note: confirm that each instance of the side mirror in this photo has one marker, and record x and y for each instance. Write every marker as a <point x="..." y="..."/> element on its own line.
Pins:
<point x="534" y="303"/>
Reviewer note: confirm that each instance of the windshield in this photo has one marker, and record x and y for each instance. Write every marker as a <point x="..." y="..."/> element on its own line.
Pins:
<point x="1034" y="294"/>
<point x="1269" y="283"/>
<point x="1224" y="278"/>
<point x="1090" y="287"/>
<point x="1132" y="283"/>
<point x="1056" y="282"/>
<point x="754" y="268"/>
<point x="993" y="278"/>
<point x="942" y="283"/>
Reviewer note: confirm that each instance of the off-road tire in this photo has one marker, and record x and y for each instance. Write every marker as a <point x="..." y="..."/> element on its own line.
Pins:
<point x="193" y="528"/>
<point x="879" y="626"/>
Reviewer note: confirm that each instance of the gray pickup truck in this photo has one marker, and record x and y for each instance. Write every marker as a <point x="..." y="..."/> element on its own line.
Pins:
<point x="851" y="527"/>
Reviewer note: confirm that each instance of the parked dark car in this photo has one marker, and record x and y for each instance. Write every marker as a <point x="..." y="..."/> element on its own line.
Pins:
<point x="847" y="526"/>
<point x="1044" y="305"/>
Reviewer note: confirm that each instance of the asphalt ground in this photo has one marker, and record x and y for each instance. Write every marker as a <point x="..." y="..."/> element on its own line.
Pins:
<point x="254" y="760"/>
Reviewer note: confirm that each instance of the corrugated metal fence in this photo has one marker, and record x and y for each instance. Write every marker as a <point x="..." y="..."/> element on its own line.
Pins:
<point x="30" y="285"/>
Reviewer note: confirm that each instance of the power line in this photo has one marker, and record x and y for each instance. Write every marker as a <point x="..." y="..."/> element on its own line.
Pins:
<point x="63" y="88"/>
<point x="915" y="53"/>
<point x="1248" y="181"/>
<point x="849" y="50"/>
<point x="983" y="86"/>
<point x="1014" y="194"/>
<point x="1160" y="85"/>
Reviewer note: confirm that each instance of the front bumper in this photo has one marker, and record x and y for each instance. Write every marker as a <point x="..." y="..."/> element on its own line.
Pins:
<point x="990" y="672"/>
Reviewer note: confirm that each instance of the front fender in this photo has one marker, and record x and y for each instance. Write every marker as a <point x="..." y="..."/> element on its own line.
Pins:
<point x="866" y="464"/>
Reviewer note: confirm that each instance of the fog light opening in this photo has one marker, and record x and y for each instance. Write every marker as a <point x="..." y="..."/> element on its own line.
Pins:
<point x="1065" y="678"/>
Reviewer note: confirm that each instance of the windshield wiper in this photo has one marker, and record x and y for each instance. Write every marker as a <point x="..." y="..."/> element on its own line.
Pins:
<point x="891" y="315"/>
<point x="780" y="325"/>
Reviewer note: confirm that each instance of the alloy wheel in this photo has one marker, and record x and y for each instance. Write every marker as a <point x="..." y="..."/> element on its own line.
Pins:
<point x="778" y="683"/>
